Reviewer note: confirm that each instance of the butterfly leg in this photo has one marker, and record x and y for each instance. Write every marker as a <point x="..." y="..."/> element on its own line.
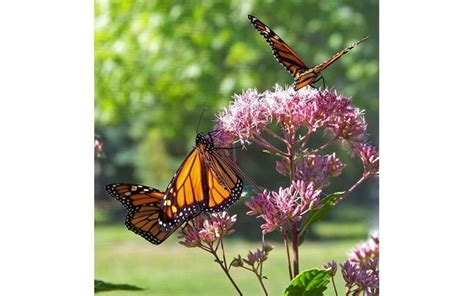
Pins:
<point x="320" y="78"/>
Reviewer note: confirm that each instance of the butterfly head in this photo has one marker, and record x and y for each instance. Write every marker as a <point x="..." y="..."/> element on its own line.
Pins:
<point x="204" y="141"/>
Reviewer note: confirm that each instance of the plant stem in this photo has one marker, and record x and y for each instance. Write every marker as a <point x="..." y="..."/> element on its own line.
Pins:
<point x="364" y="177"/>
<point x="285" y="239"/>
<point x="334" y="285"/>
<point x="296" y="268"/>
<point x="223" y="251"/>
<point x="226" y="271"/>
<point x="259" y="276"/>
<point x="326" y="144"/>
<point x="296" y="261"/>
<point x="260" y="141"/>
<point x="276" y="136"/>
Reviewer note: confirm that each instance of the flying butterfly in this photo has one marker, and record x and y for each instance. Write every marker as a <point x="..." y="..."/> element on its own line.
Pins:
<point x="206" y="181"/>
<point x="286" y="56"/>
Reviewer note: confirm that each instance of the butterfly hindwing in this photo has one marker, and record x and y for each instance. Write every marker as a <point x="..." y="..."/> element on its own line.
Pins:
<point x="144" y="210"/>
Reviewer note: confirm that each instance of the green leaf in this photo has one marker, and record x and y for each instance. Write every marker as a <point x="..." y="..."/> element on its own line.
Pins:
<point x="312" y="282"/>
<point x="101" y="286"/>
<point x="315" y="215"/>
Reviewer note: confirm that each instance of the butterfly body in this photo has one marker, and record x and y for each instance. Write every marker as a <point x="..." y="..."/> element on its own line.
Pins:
<point x="206" y="181"/>
<point x="288" y="58"/>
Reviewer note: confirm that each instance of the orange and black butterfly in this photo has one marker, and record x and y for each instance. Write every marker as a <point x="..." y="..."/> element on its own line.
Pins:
<point x="286" y="56"/>
<point x="206" y="181"/>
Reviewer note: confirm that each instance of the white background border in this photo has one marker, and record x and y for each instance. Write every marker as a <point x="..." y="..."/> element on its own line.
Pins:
<point x="46" y="121"/>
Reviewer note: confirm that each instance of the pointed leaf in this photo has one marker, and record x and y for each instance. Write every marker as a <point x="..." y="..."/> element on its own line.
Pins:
<point x="312" y="282"/>
<point x="315" y="215"/>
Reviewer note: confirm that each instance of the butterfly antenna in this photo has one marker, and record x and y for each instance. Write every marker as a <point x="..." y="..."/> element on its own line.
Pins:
<point x="200" y="117"/>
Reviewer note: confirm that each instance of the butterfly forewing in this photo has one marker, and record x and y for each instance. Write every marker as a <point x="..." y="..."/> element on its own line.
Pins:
<point x="185" y="195"/>
<point x="284" y="54"/>
<point x="225" y="185"/>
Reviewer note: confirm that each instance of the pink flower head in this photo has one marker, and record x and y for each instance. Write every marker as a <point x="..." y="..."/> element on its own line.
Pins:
<point x="207" y="230"/>
<point x="332" y="267"/>
<point x="366" y="250"/>
<point x="190" y="232"/>
<point x="250" y="113"/>
<point x="290" y="108"/>
<point x="318" y="169"/>
<point x="246" y="116"/>
<point x="369" y="156"/>
<point x="222" y="138"/>
<point x="223" y="222"/>
<point x="362" y="267"/>
<point x="281" y="208"/>
<point x="349" y="125"/>
<point x="258" y="256"/>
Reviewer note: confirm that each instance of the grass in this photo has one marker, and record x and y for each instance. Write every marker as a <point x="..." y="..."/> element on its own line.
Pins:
<point x="122" y="257"/>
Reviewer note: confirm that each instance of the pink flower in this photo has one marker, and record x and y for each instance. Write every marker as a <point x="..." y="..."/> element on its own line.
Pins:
<point x="223" y="223"/>
<point x="366" y="250"/>
<point x="318" y="169"/>
<point x="250" y="113"/>
<point x="280" y="209"/>
<point x="202" y="230"/>
<point x="332" y="267"/>
<point x="369" y="156"/>
<point x="258" y="256"/>
<point x="246" y="116"/>
<point x="361" y="270"/>
<point x="190" y="232"/>
<point x="222" y="138"/>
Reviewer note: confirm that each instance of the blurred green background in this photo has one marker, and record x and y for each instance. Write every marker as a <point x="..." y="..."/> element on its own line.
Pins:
<point x="158" y="64"/>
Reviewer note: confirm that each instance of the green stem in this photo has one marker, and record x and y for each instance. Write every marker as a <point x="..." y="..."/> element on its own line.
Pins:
<point x="334" y="285"/>
<point x="259" y="277"/>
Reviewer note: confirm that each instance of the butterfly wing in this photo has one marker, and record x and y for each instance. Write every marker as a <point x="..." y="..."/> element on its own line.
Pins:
<point x="281" y="51"/>
<point x="224" y="184"/>
<point x="185" y="195"/>
<point x="309" y="76"/>
<point x="144" y="210"/>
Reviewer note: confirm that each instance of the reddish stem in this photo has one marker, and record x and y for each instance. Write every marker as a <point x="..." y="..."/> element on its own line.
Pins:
<point x="288" y="258"/>
<point x="364" y="177"/>
<point x="296" y="261"/>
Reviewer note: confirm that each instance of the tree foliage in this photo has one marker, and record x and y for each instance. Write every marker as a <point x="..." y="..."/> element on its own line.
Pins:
<point x="158" y="64"/>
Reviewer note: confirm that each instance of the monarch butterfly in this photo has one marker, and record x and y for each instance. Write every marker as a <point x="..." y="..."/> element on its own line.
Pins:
<point x="206" y="181"/>
<point x="286" y="56"/>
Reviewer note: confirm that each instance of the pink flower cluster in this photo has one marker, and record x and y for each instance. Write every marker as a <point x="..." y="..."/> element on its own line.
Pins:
<point x="361" y="270"/>
<point x="246" y="116"/>
<point x="369" y="156"/>
<point x="206" y="230"/>
<point x="250" y="113"/>
<point x="366" y="250"/>
<point x="281" y="209"/>
<point x="259" y="256"/>
<point x="318" y="169"/>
